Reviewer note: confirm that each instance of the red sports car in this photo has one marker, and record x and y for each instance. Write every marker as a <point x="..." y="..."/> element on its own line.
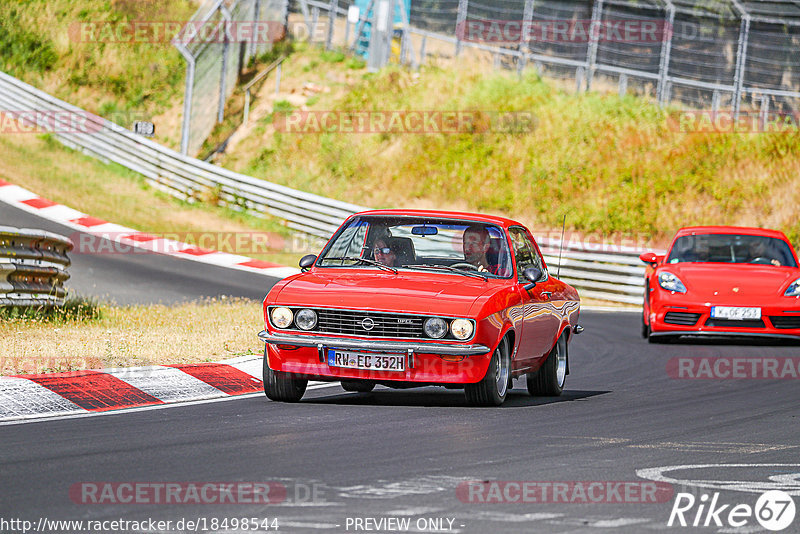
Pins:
<point x="722" y="280"/>
<point x="414" y="298"/>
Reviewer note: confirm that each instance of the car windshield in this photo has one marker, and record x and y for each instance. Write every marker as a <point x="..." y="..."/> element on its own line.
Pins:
<point x="731" y="248"/>
<point x="420" y="243"/>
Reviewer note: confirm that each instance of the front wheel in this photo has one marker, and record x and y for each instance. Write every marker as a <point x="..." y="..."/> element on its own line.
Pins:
<point x="280" y="386"/>
<point x="493" y="389"/>
<point x="549" y="380"/>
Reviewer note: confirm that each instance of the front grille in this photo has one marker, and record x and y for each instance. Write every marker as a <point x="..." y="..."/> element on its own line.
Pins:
<point x="785" y="321"/>
<point x="385" y="324"/>
<point x="681" y="318"/>
<point x="733" y="323"/>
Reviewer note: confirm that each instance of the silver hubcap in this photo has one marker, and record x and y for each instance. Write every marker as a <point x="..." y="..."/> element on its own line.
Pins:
<point x="561" y="366"/>
<point x="501" y="372"/>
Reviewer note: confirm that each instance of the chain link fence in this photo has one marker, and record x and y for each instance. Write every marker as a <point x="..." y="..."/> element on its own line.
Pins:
<point x="715" y="54"/>
<point x="217" y="43"/>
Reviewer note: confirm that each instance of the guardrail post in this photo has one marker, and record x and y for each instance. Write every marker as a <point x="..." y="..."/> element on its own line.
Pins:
<point x="594" y="34"/>
<point x="763" y="115"/>
<point x="623" y="85"/>
<point x="461" y="18"/>
<point x="666" y="52"/>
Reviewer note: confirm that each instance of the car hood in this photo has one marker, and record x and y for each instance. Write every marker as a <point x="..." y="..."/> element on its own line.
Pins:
<point x="407" y="291"/>
<point x="711" y="280"/>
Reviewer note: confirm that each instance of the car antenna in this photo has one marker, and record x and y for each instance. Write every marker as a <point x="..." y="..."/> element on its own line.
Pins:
<point x="561" y="248"/>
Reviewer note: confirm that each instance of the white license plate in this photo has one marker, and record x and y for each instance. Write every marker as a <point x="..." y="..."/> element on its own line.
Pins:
<point x="735" y="313"/>
<point x="370" y="362"/>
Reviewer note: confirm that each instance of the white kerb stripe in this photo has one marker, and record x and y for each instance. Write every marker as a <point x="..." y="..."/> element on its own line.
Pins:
<point x="167" y="383"/>
<point x="20" y="398"/>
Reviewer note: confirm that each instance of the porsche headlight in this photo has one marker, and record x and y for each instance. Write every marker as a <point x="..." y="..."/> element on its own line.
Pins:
<point x="306" y="319"/>
<point x="461" y="328"/>
<point x="794" y="289"/>
<point x="435" y="327"/>
<point x="282" y="317"/>
<point x="670" y="282"/>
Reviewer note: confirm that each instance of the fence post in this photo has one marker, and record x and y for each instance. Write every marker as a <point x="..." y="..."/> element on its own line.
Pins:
<point x="527" y="21"/>
<point x="623" y="84"/>
<point x="362" y="19"/>
<point x="666" y="52"/>
<point x="306" y="15"/>
<point x="226" y="20"/>
<point x="461" y="18"/>
<point x="594" y="33"/>
<point x="253" y="44"/>
<point x="332" y="13"/>
<point x="741" y="59"/>
<point x="187" y="97"/>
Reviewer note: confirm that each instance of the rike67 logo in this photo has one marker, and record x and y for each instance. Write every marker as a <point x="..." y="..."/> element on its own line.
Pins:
<point x="774" y="510"/>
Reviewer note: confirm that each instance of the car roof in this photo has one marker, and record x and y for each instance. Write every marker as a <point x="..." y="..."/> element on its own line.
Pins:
<point x="743" y="230"/>
<point x="493" y="219"/>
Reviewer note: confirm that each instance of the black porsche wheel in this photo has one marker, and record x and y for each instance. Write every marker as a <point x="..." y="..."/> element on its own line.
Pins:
<point x="549" y="380"/>
<point x="280" y="386"/>
<point x="493" y="389"/>
<point x="358" y="386"/>
<point x="645" y="328"/>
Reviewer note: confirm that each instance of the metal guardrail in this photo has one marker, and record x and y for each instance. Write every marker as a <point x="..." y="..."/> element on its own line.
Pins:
<point x="33" y="267"/>
<point x="613" y="275"/>
<point x="182" y="176"/>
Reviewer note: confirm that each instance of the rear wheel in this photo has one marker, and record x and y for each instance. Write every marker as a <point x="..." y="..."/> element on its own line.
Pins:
<point x="359" y="386"/>
<point x="549" y="380"/>
<point x="280" y="386"/>
<point x="493" y="389"/>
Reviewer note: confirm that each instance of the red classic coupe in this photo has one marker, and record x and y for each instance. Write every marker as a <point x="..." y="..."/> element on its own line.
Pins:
<point x="415" y="298"/>
<point x="722" y="280"/>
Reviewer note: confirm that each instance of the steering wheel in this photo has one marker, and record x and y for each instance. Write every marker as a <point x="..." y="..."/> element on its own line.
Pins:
<point x="464" y="265"/>
<point x="761" y="260"/>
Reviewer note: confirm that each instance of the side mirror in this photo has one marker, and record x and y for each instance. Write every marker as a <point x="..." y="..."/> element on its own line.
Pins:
<point x="533" y="274"/>
<point x="649" y="257"/>
<point x="307" y="261"/>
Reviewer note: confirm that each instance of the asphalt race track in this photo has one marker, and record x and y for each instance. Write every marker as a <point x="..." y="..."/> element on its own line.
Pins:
<point x="144" y="278"/>
<point x="345" y="459"/>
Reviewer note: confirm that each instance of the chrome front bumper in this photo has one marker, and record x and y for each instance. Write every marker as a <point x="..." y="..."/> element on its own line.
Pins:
<point x="372" y="344"/>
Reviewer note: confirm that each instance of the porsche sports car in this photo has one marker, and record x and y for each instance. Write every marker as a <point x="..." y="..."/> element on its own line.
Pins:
<point x="412" y="298"/>
<point x="722" y="280"/>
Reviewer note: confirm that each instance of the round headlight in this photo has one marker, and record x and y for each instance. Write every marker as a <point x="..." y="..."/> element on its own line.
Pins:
<point x="282" y="317"/>
<point x="461" y="328"/>
<point x="306" y="319"/>
<point x="435" y="327"/>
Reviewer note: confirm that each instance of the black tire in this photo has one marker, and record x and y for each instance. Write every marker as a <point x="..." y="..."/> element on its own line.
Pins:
<point x="661" y="340"/>
<point x="280" y="386"/>
<point x="358" y="386"/>
<point x="492" y="390"/>
<point x="645" y="328"/>
<point x="549" y="380"/>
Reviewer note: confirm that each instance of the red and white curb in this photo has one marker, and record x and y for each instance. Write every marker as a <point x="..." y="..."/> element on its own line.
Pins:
<point x="60" y="394"/>
<point x="26" y="200"/>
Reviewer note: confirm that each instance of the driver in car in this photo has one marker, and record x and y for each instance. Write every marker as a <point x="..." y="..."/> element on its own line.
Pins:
<point x="477" y="244"/>
<point x="758" y="253"/>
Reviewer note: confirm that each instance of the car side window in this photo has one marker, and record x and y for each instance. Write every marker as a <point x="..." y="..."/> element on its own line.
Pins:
<point x="525" y="253"/>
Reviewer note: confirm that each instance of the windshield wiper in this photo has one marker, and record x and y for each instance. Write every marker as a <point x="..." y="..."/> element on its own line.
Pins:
<point x="448" y="269"/>
<point x="365" y="260"/>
